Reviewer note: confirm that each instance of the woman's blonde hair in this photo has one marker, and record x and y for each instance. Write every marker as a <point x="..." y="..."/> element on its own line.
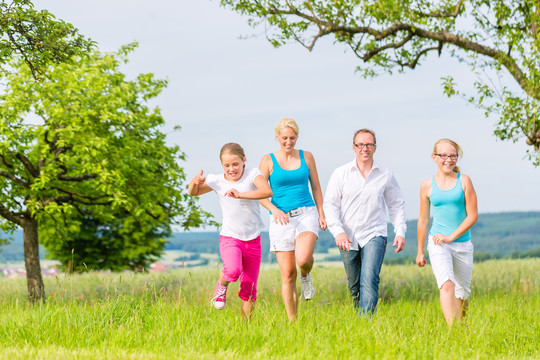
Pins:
<point x="287" y="122"/>
<point x="455" y="145"/>
<point x="232" y="149"/>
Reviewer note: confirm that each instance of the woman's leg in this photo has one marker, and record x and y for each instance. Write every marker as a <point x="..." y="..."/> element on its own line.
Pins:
<point x="449" y="304"/>
<point x="305" y="245"/>
<point x="287" y="266"/>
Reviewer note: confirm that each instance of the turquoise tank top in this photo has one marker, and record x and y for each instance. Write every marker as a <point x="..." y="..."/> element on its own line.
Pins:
<point x="290" y="188"/>
<point x="448" y="210"/>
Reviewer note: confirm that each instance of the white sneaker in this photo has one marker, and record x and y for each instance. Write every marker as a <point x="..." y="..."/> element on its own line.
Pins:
<point x="308" y="291"/>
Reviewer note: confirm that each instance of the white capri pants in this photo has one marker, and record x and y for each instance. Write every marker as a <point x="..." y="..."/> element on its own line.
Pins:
<point x="283" y="237"/>
<point x="452" y="261"/>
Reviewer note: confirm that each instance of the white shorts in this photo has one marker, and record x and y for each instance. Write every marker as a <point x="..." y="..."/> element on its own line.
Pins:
<point x="452" y="261"/>
<point x="283" y="237"/>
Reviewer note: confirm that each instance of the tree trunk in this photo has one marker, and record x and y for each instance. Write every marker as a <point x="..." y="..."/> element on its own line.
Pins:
<point x="36" y="290"/>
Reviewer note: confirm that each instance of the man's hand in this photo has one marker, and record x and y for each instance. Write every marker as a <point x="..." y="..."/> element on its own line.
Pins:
<point x="343" y="242"/>
<point x="399" y="241"/>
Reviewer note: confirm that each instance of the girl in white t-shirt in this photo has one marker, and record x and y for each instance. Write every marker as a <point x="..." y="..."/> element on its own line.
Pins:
<point x="238" y="190"/>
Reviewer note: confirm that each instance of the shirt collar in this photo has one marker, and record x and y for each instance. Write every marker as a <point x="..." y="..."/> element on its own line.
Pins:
<point x="352" y="165"/>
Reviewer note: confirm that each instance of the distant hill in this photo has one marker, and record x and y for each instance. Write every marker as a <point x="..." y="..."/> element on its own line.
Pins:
<point x="13" y="251"/>
<point x="499" y="234"/>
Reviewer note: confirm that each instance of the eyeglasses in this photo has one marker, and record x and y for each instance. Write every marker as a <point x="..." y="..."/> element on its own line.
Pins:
<point x="446" y="156"/>
<point x="360" y="146"/>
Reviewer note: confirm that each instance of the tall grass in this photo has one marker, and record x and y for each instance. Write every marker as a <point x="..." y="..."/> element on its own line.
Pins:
<point x="135" y="316"/>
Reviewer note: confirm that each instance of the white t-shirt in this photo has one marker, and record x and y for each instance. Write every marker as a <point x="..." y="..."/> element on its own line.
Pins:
<point x="241" y="217"/>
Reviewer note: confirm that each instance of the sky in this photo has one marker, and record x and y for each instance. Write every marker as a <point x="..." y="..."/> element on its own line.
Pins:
<point x="228" y="84"/>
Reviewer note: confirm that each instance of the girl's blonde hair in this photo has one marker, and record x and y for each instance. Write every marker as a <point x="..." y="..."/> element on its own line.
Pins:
<point x="455" y="145"/>
<point x="232" y="149"/>
<point x="287" y="122"/>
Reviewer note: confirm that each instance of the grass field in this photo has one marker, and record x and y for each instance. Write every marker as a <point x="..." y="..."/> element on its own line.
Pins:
<point x="142" y="316"/>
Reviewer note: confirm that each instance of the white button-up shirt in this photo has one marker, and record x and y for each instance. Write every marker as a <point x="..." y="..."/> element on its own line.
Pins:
<point x="357" y="206"/>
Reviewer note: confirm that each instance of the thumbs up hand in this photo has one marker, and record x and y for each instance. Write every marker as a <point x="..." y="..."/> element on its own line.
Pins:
<point x="199" y="179"/>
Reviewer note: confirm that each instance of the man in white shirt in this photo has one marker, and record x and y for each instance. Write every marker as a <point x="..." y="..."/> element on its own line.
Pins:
<point x="355" y="203"/>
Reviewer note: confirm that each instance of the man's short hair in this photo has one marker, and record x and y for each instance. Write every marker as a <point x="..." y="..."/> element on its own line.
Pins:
<point x="368" y="131"/>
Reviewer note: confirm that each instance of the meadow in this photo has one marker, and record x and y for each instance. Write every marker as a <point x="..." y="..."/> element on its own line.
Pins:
<point x="164" y="316"/>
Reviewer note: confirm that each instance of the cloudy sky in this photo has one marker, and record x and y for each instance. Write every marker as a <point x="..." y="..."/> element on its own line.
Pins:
<point x="227" y="83"/>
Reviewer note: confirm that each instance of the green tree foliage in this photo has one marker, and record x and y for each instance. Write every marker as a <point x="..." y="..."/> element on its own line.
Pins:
<point x="36" y="37"/>
<point x="124" y="242"/>
<point x="85" y="141"/>
<point x="501" y="36"/>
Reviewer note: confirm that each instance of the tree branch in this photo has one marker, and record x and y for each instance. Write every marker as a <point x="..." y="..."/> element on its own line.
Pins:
<point x="33" y="70"/>
<point x="28" y="165"/>
<point x="440" y="14"/>
<point x="72" y="199"/>
<point x="73" y="193"/>
<point x="58" y="200"/>
<point x="413" y="63"/>
<point x="15" y="179"/>
<point x="374" y="52"/>
<point x="4" y="161"/>
<point x="10" y="216"/>
<point x="327" y="27"/>
<point x="78" y="178"/>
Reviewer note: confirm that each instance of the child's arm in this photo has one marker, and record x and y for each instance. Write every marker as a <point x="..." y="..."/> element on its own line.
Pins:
<point x="198" y="185"/>
<point x="263" y="190"/>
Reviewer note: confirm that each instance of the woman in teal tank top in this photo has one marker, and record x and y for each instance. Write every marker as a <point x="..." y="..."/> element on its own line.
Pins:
<point x="449" y="197"/>
<point x="296" y="214"/>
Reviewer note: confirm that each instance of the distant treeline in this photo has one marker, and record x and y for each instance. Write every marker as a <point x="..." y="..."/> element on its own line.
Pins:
<point x="497" y="235"/>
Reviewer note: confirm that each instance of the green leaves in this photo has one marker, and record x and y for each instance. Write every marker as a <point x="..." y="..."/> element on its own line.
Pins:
<point x="94" y="242"/>
<point x="37" y="37"/>
<point x="500" y="36"/>
<point x="84" y="147"/>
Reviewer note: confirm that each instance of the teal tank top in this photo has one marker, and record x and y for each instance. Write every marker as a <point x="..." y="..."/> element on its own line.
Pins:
<point x="448" y="210"/>
<point x="290" y="188"/>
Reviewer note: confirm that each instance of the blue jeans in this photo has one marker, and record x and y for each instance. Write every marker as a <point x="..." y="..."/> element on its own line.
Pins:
<point x="363" y="267"/>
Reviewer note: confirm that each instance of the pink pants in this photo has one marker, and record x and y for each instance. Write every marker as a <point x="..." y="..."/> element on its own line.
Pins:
<point x="241" y="259"/>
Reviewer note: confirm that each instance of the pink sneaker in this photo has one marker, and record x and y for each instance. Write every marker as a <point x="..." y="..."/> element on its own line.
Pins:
<point x="220" y="296"/>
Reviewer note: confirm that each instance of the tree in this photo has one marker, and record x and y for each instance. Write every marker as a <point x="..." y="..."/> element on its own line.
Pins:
<point x="123" y="242"/>
<point x="84" y="140"/>
<point x="37" y="37"/>
<point x="497" y="35"/>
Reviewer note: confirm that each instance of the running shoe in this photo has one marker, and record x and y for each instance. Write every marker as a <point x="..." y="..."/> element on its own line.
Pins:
<point x="308" y="291"/>
<point x="220" y="296"/>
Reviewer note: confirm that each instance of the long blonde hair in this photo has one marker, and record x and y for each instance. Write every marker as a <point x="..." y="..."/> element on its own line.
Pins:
<point x="287" y="122"/>
<point x="455" y="145"/>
